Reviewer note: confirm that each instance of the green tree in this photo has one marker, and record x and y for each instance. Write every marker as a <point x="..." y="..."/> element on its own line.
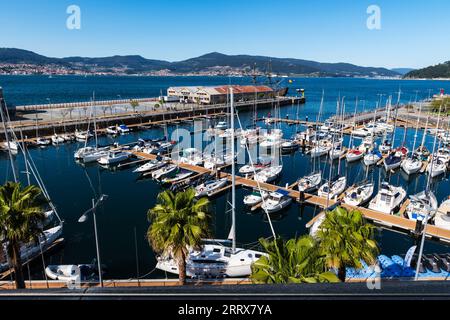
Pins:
<point x="21" y="220"/>
<point x="294" y="261"/>
<point x="178" y="222"/>
<point x="134" y="104"/>
<point x="345" y="239"/>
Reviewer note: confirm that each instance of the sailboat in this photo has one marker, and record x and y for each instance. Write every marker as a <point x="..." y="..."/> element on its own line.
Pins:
<point x="421" y="205"/>
<point x="41" y="141"/>
<point x="442" y="216"/>
<point x="394" y="159"/>
<point x="360" y="194"/>
<point x="217" y="257"/>
<point x="312" y="181"/>
<point x="413" y="164"/>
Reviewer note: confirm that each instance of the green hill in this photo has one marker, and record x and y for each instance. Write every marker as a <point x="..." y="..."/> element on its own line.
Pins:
<point x="441" y="70"/>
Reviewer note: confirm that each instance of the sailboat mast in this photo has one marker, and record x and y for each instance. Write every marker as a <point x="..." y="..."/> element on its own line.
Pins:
<point x="95" y="116"/>
<point x="233" y="176"/>
<point x="8" y="144"/>
<point x="417" y="129"/>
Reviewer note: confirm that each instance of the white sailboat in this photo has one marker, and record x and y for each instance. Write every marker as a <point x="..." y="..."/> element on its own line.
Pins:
<point x="162" y="172"/>
<point x="255" y="197"/>
<point x="442" y="216"/>
<point x="413" y="164"/>
<point x="113" y="157"/>
<point x="276" y="201"/>
<point x="359" y="195"/>
<point x="209" y="187"/>
<point x="421" y="205"/>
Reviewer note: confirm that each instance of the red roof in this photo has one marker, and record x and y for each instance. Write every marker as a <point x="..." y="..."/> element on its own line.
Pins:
<point x="243" y="89"/>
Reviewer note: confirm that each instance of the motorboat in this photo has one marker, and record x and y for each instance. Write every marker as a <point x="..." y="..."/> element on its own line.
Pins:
<point x="388" y="198"/>
<point x="255" y="197"/>
<point x="32" y="249"/>
<point x="83" y="135"/>
<point x="268" y="174"/>
<point x="372" y="157"/>
<point x="422" y="152"/>
<point x="442" y="216"/>
<point x="215" y="259"/>
<point x="334" y="188"/>
<point x="443" y="154"/>
<point x="122" y="129"/>
<point x="289" y="146"/>
<point x="392" y="161"/>
<point x="72" y="272"/>
<point x="113" y="130"/>
<point x="249" y="169"/>
<point x="11" y="145"/>
<point x="276" y="201"/>
<point x="310" y="183"/>
<point x="164" y="171"/>
<point x="209" y="187"/>
<point x="191" y="156"/>
<point x="43" y="142"/>
<point x="354" y="155"/>
<point x="150" y="166"/>
<point x="359" y="195"/>
<point x="411" y="165"/>
<point x="361" y="132"/>
<point x="56" y="139"/>
<point x="436" y="168"/>
<point x="95" y="155"/>
<point x="222" y="125"/>
<point x="421" y="205"/>
<point x="113" y="157"/>
<point x="212" y="163"/>
<point x="179" y="176"/>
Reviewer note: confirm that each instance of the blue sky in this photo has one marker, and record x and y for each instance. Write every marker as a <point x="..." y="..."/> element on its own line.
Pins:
<point x="413" y="33"/>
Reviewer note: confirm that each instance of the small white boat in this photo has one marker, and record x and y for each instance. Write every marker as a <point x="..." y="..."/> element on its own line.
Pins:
<point x="43" y="141"/>
<point x="310" y="183"/>
<point x="191" y="156"/>
<point x="112" y="130"/>
<point x="277" y="201"/>
<point x="420" y="205"/>
<point x="359" y="195"/>
<point x="269" y="174"/>
<point x="221" y="125"/>
<point x="181" y="175"/>
<point x="113" y="157"/>
<point x="388" y="198"/>
<point x="363" y="132"/>
<point x="162" y="172"/>
<point x="354" y="155"/>
<point x="385" y="147"/>
<point x="333" y="189"/>
<point x="442" y="216"/>
<point x="149" y="166"/>
<point x="214" y="162"/>
<point x="255" y="197"/>
<point x="72" y="272"/>
<point x="249" y="169"/>
<point x="94" y="156"/>
<point x="411" y="165"/>
<point x="13" y="146"/>
<point x="82" y="135"/>
<point x="57" y="139"/>
<point x="209" y="187"/>
<point x="122" y="129"/>
<point x="289" y="146"/>
<point x="436" y="168"/>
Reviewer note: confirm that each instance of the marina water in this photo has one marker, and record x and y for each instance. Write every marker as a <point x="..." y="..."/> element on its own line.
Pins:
<point x="72" y="186"/>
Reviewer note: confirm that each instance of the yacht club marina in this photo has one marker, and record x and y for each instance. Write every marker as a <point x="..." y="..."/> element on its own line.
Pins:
<point x="309" y="207"/>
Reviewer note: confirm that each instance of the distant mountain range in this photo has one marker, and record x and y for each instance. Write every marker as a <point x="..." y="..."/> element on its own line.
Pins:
<point x="441" y="70"/>
<point x="403" y="71"/>
<point x="211" y="63"/>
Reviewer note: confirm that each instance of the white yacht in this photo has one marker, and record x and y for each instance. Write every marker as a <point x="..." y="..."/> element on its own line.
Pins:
<point x="113" y="157"/>
<point x="277" y="201"/>
<point x="56" y="139"/>
<point x="420" y="205"/>
<point x="179" y="176"/>
<point x="162" y="172"/>
<point x="436" y="168"/>
<point x="113" y="130"/>
<point x="13" y="146"/>
<point x="333" y="189"/>
<point x="255" y="197"/>
<point x="372" y="157"/>
<point x="209" y="187"/>
<point x="221" y="125"/>
<point x="442" y="217"/>
<point x="149" y="166"/>
<point x="122" y="129"/>
<point x="354" y="155"/>
<point x="319" y="151"/>
<point x="43" y="141"/>
<point x="269" y="174"/>
<point x="388" y="198"/>
<point x="411" y="165"/>
<point x="191" y="156"/>
<point x="359" y="195"/>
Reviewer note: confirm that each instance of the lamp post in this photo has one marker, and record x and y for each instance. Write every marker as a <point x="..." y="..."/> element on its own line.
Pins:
<point x="82" y="219"/>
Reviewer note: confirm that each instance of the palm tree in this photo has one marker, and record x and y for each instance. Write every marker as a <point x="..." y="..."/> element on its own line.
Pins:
<point x="345" y="239"/>
<point x="294" y="261"/>
<point x="178" y="222"/>
<point x="21" y="221"/>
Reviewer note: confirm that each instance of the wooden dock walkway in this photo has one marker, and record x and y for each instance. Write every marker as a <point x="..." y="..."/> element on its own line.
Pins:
<point x="394" y="222"/>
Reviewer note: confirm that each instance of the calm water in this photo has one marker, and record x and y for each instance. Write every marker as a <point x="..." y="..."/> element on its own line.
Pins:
<point x="72" y="186"/>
